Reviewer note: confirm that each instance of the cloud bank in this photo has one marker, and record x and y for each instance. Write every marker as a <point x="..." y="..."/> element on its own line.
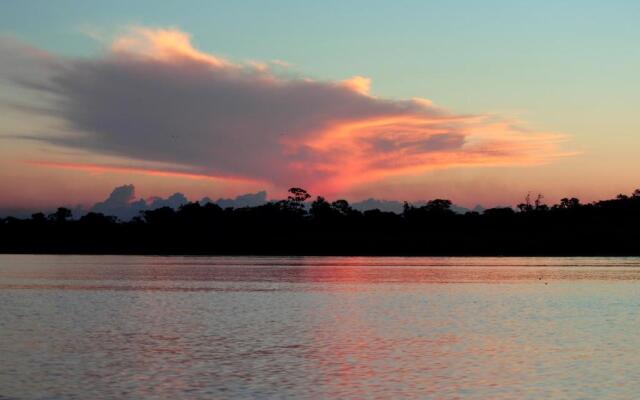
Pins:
<point x="153" y="97"/>
<point x="123" y="203"/>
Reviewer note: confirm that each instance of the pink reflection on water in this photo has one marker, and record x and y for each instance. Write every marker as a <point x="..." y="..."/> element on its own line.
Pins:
<point x="340" y="327"/>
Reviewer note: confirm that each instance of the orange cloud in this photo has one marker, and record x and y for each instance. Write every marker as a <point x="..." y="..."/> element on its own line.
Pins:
<point x="162" y="45"/>
<point x="358" y="84"/>
<point x="375" y="148"/>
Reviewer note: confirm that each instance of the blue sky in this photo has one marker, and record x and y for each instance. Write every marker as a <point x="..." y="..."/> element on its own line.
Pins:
<point x="569" y="57"/>
<point x="439" y="47"/>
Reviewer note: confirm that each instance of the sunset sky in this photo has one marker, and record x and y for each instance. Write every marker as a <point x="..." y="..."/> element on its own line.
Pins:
<point x="480" y="102"/>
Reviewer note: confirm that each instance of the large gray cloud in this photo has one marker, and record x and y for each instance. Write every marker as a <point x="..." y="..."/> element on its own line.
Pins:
<point x="153" y="97"/>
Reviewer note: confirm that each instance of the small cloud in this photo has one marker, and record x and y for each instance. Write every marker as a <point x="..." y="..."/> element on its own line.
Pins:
<point x="358" y="84"/>
<point x="259" y="66"/>
<point x="280" y="63"/>
<point x="93" y="32"/>
<point x="121" y="203"/>
<point x="162" y="45"/>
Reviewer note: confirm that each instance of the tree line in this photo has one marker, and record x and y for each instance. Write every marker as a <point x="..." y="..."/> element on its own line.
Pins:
<point x="298" y="226"/>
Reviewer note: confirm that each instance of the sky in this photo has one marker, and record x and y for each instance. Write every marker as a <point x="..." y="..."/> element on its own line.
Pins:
<point x="478" y="102"/>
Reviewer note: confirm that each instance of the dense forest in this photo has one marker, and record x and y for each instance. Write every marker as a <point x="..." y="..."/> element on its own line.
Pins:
<point x="297" y="226"/>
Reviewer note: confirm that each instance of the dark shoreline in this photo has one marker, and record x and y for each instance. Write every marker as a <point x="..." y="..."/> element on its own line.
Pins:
<point x="295" y="227"/>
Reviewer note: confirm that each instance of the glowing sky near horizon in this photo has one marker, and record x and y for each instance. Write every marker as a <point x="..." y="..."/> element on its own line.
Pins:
<point x="411" y="100"/>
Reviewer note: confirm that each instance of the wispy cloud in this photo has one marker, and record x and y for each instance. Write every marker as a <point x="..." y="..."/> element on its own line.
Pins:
<point x="152" y="96"/>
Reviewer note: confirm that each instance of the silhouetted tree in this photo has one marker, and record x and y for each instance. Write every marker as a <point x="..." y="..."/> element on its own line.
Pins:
<point x="298" y="195"/>
<point x="568" y="203"/>
<point x="62" y="214"/>
<point x="342" y="207"/>
<point x="439" y="207"/>
<point x="93" y="218"/>
<point x="38" y="218"/>
<point x="526" y="206"/>
<point x="295" y="201"/>
<point x="500" y="212"/>
<point x="539" y="205"/>
<point x="160" y="216"/>
<point x="320" y="208"/>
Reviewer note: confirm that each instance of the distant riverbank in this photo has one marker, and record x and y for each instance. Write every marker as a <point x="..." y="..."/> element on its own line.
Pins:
<point x="298" y="227"/>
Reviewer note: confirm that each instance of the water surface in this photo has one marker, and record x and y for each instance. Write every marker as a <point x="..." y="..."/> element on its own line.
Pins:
<point x="304" y="327"/>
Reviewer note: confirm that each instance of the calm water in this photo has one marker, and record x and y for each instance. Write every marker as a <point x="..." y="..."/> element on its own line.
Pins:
<point x="251" y="327"/>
